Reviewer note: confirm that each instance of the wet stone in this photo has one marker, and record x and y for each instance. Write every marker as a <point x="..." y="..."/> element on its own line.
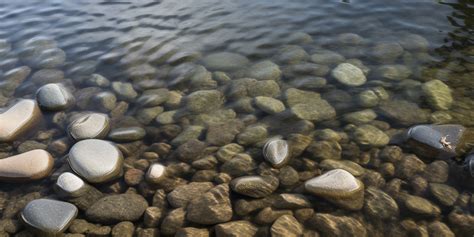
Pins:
<point x="331" y="225"/>
<point x="269" y="105"/>
<point x="223" y="133"/>
<point x="443" y="193"/>
<point x="421" y="206"/>
<point x="254" y="186"/>
<point x="291" y="54"/>
<point x="45" y="76"/>
<point x="394" y="72"/>
<point x="18" y="119"/>
<point x="286" y="225"/>
<point x="368" y="135"/>
<point x="69" y="184"/>
<point x="175" y="220"/>
<point x="438" y="94"/>
<point x="49" y="216"/>
<point x="212" y="207"/>
<point x="192" y="232"/>
<point x="28" y="166"/>
<point x="90" y="125"/>
<point x="236" y="229"/>
<point x="291" y="201"/>
<point x="276" y="151"/>
<point x="156" y="173"/>
<point x="265" y="70"/>
<point x="339" y="187"/>
<point x="97" y="80"/>
<point x="350" y="166"/>
<point x="181" y="195"/>
<point x="204" y="101"/>
<point x="327" y="57"/>
<point x="349" y="75"/>
<point x="403" y="112"/>
<point x="96" y="160"/>
<point x="116" y="208"/>
<point x="252" y="135"/>
<point x="124" y="91"/>
<point x="54" y="97"/>
<point x="379" y="205"/>
<point x="128" y="134"/>
<point x="225" y="61"/>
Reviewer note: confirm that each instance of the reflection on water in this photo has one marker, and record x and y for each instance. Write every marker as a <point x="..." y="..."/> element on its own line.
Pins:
<point x="199" y="86"/>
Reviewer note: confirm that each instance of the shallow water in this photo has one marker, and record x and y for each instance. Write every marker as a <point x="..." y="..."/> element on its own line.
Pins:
<point x="157" y="44"/>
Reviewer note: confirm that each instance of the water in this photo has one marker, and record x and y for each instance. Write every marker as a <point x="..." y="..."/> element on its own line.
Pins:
<point x="157" y="44"/>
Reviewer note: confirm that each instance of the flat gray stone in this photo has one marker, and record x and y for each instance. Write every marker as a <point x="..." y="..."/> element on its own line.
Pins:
<point x="96" y="160"/>
<point x="69" y="183"/>
<point x="349" y="75"/>
<point x="49" y="216"/>
<point x="127" y="134"/>
<point x="91" y="125"/>
<point x="54" y="97"/>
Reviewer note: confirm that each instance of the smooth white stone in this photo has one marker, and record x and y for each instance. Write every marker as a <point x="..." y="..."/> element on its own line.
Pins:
<point x="92" y="125"/>
<point x="276" y="151"/>
<point x="69" y="182"/>
<point x="155" y="172"/>
<point x="18" y="119"/>
<point x="334" y="180"/>
<point x="49" y="216"/>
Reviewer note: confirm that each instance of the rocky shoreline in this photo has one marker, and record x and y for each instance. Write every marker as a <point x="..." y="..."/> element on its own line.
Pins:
<point x="310" y="142"/>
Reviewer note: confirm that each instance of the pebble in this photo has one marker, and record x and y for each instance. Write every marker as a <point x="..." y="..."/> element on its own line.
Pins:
<point x="438" y="94"/>
<point x="403" y="112"/>
<point x="360" y="117"/>
<point x="124" y="90"/>
<point x="45" y="76"/>
<point x="105" y="101"/>
<point x="182" y="195"/>
<point x="204" y="101"/>
<point x="277" y="152"/>
<point x="291" y="54"/>
<point x="255" y="186"/>
<point x="156" y="173"/>
<point x="426" y="140"/>
<point x="387" y="51"/>
<point x="339" y="187"/>
<point x="97" y="80"/>
<point x="225" y="61"/>
<point x="54" y="97"/>
<point x="265" y="70"/>
<point x="269" y="105"/>
<point x="223" y="133"/>
<point x="327" y="57"/>
<point x="69" y="184"/>
<point x="349" y="75"/>
<point x="444" y="194"/>
<point x="286" y="226"/>
<point x="49" y="217"/>
<point x="28" y="166"/>
<point x="18" y="119"/>
<point x="368" y="135"/>
<point x="212" y="207"/>
<point x="96" y="160"/>
<point x="236" y="229"/>
<point x="117" y="208"/>
<point x="379" y="205"/>
<point x="192" y="232"/>
<point x="347" y="165"/>
<point x="252" y="135"/>
<point x="421" y="206"/>
<point x="175" y="220"/>
<point x="332" y="225"/>
<point x="128" y="134"/>
<point x="395" y="72"/>
<point x="90" y="125"/>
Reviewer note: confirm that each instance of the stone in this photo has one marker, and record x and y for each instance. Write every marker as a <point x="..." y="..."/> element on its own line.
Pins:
<point x="117" y="208"/>
<point x="254" y="186"/>
<point x="182" y="195"/>
<point x="421" y="206"/>
<point x="265" y="70"/>
<point x="225" y="61"/>
<point x="387" y="51"/>
<point x="269" y="105"/>
<point x="291" y="54"/>
<point x="88" y="126"/>
<point x="439" y="229"/>
<point x="32" y="165"/>
<point x="276" y="151"/>
<point x="123" y="229"/>
<point x="339" y="187"/>
<point x="286" y="225"/>
<point x="331" y="225"/>
<point x="360" y="117"/>
<point x="48" y="216"/>
<point x="409" y="166"/>
<point x="394" y="72"/>
<point x="54" y="97"/>
<point x="379" y="205"/>
<point x="227" y="152"/>
<point x="438" y="94"/>
<point x="154" y="97"/>
<point x="348" y="75"/>
<point x="437" y="172"/>
<point x="403" y="112"/>
<point x="175" y="220"/>
<point x="97" y="80"/>
<point x="16" y="120"/>
<point x="252" y="135"/>
<point x="212" y="207"/>
<point x="124" y="90"/>
<point x="291" y="201"/>
<point x="437" y="141"/>
<point x="368" y="135"/>
<point x="133" y="177"/>
<point x="188" y="134"/>
<point x="104" y="101"/>
<point x="96" y="160"/>
<point x="317" y="112"/>
<point x="347" y="165"/>
<point x="220" y="134"/>
<point x="156" y="173"/>
<point x="45" y="76"/>
<point x="326" y="57"/>
<point x="69" y="184"/>
<point x="236" y="229"/>
<point x="128" y="134"/>
<point x="444" y="194"/>
<point x="167" y="117"/>
<point x="192" y="232"/>
<point x="190" y="150"/>
<point x="322" y="150"/>
<point x="204" y="101"/>
<point x="268" y="215"/>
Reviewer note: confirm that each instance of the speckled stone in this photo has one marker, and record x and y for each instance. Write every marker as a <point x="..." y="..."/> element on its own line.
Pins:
<point x="255" y="186"/>
<point x="339" y="187"/>
<point x="49" y="216"/>
<point x="54" y="97"/>
<point x="96" y="160"/>
<point x="276" y="151"/>
<point x="91" y="125"/>
<point x="31" y="165"/>
<point x="18" y="119"/>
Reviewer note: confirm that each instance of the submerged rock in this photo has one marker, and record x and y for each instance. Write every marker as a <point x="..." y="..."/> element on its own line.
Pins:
<point x="116" y="208"/>
<point x="48" y="217"/>
<point x="90" y="125"/>
<point x="277" y="152"/>
<point x="212" y="207"/>
<point x="286" y="226"/>
<point x="438" y="95"/>
<point x="225" y="61"/>
<point x="331" y="225"/>
<point x="403" y="112"/>
<point x="349" y="75"/>
<point x="255" y="186"/>
<point x="127" y="134"/>
<point x="28" y="166"/>
<point x="18" y="119"/>
<point x="438" y="141"/>
<point x="54" y="97"/>
<point x="96" y="160"/>
<point x="339" y="187"/>
<point x="368" y="135"/>
<point x="236" y="229"/>
<point x="265" y="70"/>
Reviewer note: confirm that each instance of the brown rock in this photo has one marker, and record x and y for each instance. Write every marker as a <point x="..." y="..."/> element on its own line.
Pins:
<point x="18" y="119"/>
<point x="31" y="165"/>
<point x="286" y="226"/>
<point x="212" y="207"/>
<point x="236" y="229"/>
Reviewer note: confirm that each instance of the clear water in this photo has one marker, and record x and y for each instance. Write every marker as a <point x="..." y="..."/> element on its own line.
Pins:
<point x="113" y="38"/>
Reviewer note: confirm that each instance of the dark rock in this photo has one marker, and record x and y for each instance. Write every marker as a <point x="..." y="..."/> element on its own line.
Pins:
<point x="117" y="208"/>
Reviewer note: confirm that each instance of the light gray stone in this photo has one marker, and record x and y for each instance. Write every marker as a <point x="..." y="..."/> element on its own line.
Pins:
<point x="49" y="216"/>
<point x="54" y="97"/>
<point x="89" y="125"/>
